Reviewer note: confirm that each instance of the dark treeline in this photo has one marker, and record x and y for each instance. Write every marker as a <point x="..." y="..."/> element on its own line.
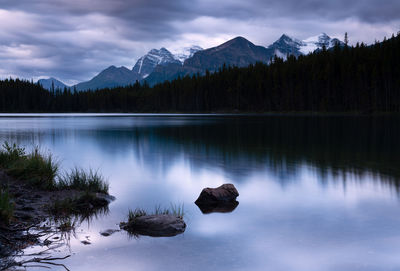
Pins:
<point x="348" y="79"/>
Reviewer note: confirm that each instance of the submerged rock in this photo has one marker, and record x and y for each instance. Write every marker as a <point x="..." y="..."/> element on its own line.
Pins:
<point x="108" y="232"/>
<point x="211" y="196"/>
<point x="155" y="225"/>
<point x="218" y="207"/>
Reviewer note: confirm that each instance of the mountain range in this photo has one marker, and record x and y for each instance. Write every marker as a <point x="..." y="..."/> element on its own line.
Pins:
<point x="159" y="65"/>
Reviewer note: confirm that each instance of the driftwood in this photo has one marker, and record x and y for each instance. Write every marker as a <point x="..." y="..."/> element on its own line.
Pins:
<point x="42" y="261"/>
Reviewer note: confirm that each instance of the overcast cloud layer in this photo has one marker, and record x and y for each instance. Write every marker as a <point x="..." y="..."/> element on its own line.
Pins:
<point x="74" y="40"/>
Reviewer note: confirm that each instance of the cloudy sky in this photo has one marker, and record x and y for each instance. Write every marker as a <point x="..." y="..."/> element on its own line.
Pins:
<point x="75" y="39"/>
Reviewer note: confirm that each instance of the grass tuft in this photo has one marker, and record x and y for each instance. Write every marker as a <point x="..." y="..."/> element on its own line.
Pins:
<point x="6" y="207"/>
<point x="138" y="212"/>
<point x="176" y="210"/>
<point x="38" y="168"/>
<point x="81" y="180"/>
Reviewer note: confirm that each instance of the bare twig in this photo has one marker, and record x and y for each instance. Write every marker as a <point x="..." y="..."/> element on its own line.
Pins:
<point x="39" y="266"/>
<point x="57" y="264"/>
<point x="45" y="260"/>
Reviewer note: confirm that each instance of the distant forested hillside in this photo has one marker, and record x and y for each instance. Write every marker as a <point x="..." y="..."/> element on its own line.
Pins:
<point x="343" y="79"/>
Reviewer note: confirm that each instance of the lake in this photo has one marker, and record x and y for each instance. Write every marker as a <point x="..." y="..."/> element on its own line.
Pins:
<point x="316" y="192"/>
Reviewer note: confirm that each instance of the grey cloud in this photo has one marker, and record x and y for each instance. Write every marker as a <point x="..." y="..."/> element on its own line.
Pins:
<point x="370" y="11"/>
<point x="159" y="11"/>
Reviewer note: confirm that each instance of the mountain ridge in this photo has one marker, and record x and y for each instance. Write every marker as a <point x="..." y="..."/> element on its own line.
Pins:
<point x="109" y="78"/>
<point x="51" y="82"/>
<point x="159" y="65"/>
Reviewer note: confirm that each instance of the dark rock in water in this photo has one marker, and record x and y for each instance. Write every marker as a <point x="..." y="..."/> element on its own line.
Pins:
<point x="218" y="207"/>
<point x="224" y="193"/>
<point x="155" y="225"/>
<point x="93" y="201"/>
<point x="108" y="232"/>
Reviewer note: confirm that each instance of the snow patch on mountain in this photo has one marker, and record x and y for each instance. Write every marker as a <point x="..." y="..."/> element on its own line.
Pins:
<point x="318" y="42"/>
<point x="186" y="52"/>
<point x="146" y="64"/>
<point x="307" y="48"/>
<point x="290" y="41"/>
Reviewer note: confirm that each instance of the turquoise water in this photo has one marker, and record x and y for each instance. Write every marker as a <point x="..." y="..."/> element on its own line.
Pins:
<point x="316" y="193"/>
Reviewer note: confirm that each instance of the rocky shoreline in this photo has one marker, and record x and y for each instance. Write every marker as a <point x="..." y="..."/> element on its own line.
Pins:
<point x="35" y="216"/>
<point x="43" y="217"/>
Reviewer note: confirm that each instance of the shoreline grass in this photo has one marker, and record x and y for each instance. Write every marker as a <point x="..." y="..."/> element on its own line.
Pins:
<point x="6" y="207"/>
<point x="82" y="180"/>
<point x="41" y="170"/>
<point x="37" y="168"/>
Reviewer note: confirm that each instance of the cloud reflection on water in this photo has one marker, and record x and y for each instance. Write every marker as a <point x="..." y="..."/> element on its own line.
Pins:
<point x="314" y="194"/>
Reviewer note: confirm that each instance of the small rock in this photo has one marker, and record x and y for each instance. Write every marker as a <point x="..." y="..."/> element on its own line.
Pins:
<point x="108" y="232"/>
<point x="155" y="225"/>
<point x="86" y="242"/>
<point x="224" y="193"/>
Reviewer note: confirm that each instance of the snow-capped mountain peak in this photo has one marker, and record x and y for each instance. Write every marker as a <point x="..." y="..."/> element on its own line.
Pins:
<point x="186" y="52"/>
<point x="146" y="64"/>
<point x="160" y="56"/>
<point x="285" y="39"/>
<point x="287" y="45"/>
<point x="318" y="42"/>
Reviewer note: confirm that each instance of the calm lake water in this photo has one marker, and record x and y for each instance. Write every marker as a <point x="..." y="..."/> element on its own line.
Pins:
<point x="316" y="193"/>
